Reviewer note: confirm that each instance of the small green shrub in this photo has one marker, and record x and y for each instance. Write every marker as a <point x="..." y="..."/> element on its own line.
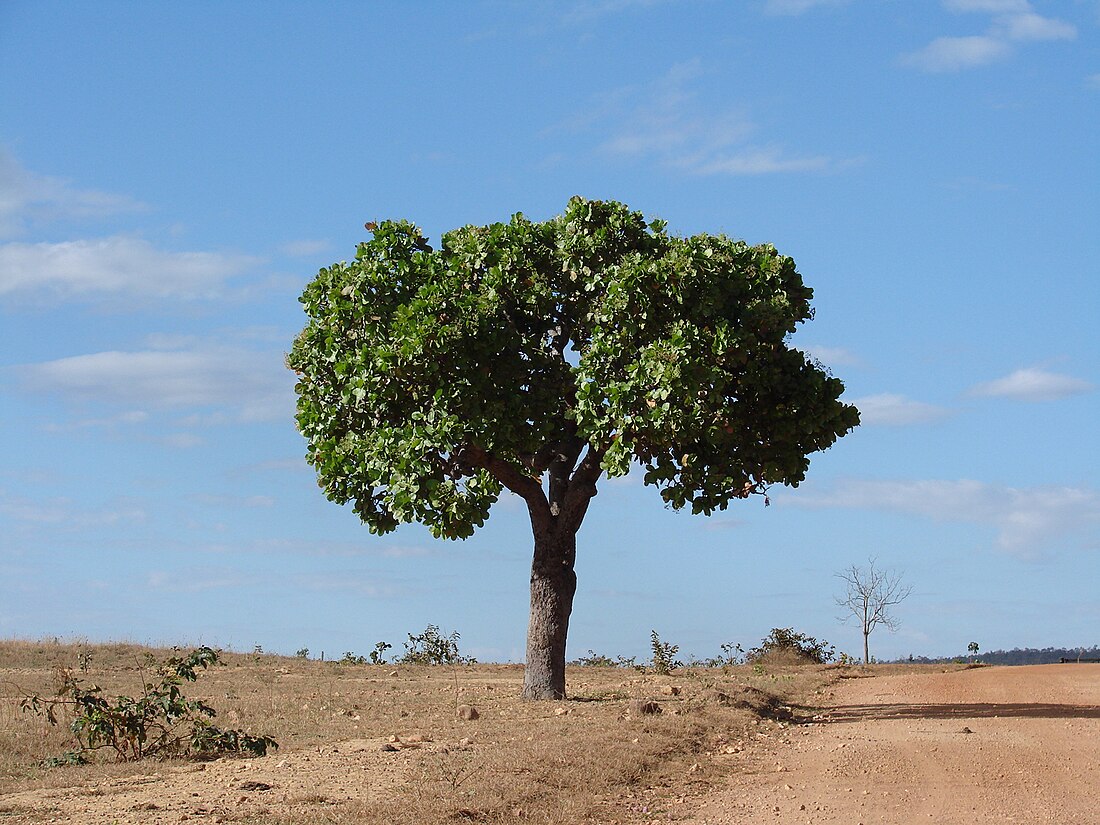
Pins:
<point x="303" y="653"/>
<point x="785" y="646"/>
<point x="664" y="655"/>
<point x="594" y="659"/>
<point x="160" y="723"/>
<point x="731" y="655"/>
<point x="378" y="655"/>
<point x="433" y="648"/>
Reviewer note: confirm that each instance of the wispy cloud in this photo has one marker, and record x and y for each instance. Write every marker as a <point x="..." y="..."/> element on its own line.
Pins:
<point x="796" y="7"/>
<point x="1027" y="521"/>
<point x="889" y="409"/>
<point x="1013" y="22"/>
<point x="1033" y="384"/>
<point x="304" y="248"/>
<point x="583" y="11"/>
<point x="668" y="123"/>
<point x="830" y="355"/>
<point x="252" y="385"/>
<point x="27" y="198"/>
<point x="65" y="512"/>
<point x="124" y="267"/>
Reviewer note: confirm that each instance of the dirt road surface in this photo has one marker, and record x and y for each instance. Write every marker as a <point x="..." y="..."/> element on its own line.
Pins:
<point x="987" y="745"/>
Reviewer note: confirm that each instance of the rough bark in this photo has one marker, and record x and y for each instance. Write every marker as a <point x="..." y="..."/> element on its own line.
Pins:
<point x="553" y="585"/>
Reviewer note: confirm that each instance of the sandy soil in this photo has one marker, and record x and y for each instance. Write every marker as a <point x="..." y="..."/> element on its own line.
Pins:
<point x="220" y="791"/>
<point x="988" y="745"/>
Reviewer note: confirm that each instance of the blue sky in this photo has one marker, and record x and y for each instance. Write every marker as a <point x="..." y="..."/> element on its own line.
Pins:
<point x="171" y="176"/>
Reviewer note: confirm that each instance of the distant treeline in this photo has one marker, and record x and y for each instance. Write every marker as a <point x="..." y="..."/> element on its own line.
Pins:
<point x="1016" y="656"/>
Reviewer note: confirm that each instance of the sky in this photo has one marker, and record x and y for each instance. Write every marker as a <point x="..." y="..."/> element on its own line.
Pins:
<point x="172" y="175"/>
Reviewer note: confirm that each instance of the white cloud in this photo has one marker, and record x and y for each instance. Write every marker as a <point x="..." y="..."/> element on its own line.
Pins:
<point x="586" y="10"/>
<point x="1026" y="521"/>
<point x="991" y="6"/>
<point x="1033" y="385"/>
<point x="763" y="162"/>
<point x="232" y="502"/>
<point x="1029" y="26"/>
<point x="949" y="54"/>
<point x="304" y="248"/>
<point x="65" y="512"/>
<point x="830" y="355"/>
<point x="666" y="122"/>
<point x="1013" y="21"/>
<point x="26" y="197"/>
<point x="253" y="385"/>
<point x="794" y="7"/>
<point x="121" y="266"/>
<point x="896" y="410"/>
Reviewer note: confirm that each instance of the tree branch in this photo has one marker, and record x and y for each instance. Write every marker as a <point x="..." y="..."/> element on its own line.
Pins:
<point x="582" y="488"/>
<point x="508" y="474"/>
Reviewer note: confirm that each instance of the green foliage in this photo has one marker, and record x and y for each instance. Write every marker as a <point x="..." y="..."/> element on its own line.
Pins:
<point x="664" y="655"/>
<point x="428" y="379"/>
<point x="594" y="659"/>
<point x="351" y="659"/>
<point x="731" y="654"/>
<point x="302" y="653"/>
<point x="378" y="655"/>
<point x="433" y="648"/>
<point x="784" y="644"/>
<point x="161" y="722"/>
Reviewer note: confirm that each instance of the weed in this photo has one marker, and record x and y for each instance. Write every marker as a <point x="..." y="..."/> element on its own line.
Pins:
<point x="433" y="648"/>
<point x="378" y="655"/>
<point x="664" y="655"/>
<point x="785" y="646"/>
<point x="161" y="722"/>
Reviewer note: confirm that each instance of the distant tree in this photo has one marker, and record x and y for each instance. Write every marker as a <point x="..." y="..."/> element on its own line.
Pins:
<point x="869" y="598"/>
<point x="972" y="648"/>
<point x="538" y="357"/>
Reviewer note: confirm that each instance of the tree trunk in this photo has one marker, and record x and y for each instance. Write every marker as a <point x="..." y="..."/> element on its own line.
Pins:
<point x="866" y="648"/>
<point x="553" y="584"/>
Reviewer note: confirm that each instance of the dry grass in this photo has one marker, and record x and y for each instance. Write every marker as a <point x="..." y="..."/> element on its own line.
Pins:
<point x="583" y="760"/>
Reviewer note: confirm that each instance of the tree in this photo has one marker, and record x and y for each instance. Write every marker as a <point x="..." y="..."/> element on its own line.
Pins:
<point x="539" y="357"/>
<point x="973" y="649"/>
<point x="869" y="598"/>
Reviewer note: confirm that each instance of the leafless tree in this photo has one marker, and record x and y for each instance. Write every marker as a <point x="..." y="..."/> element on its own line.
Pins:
<point x="869" y="596"/>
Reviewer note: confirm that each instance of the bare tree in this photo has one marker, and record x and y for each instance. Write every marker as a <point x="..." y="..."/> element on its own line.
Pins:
<point x="869" y="596"/>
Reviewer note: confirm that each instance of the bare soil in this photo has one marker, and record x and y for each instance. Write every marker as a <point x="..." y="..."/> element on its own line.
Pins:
<point x="741" y="745"/>
<point x="987" y="745"/>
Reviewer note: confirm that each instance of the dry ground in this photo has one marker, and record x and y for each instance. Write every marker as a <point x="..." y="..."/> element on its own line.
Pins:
<point x="787" y="745"/>
<point x="992" y="745"/>
<point x="364" y="743"/>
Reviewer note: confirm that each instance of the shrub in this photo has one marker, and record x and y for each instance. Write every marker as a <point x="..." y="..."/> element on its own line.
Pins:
<point x="161" y="722"/>
<point x="594" y="659"/>
<point x="378" y="655"/>
<point x="433" y="648"/>
<point x="664" y="655"/>
<point x="785" y="646"/>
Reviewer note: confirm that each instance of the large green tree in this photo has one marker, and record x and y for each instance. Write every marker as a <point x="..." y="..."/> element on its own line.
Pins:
<point x="540" y="357"/>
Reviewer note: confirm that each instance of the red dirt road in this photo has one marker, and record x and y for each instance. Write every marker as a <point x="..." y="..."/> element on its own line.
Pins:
<point x="987" y="745"/>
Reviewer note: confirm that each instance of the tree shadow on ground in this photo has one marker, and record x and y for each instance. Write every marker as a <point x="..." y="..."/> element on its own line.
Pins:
<point x="986" y="710"/>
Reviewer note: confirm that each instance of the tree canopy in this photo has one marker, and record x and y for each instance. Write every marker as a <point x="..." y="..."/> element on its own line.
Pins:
<point x="430" y="379"/>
